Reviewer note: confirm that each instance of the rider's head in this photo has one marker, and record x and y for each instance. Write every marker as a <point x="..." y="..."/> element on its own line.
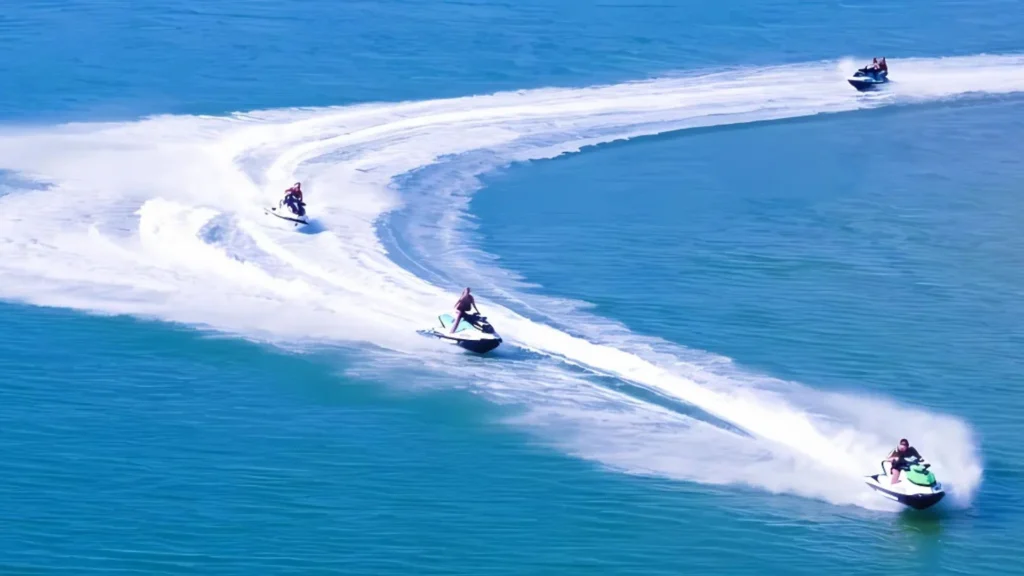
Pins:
<point x="874" y="60"/>
<point x="466" y="291"/>
<point x="903" y="445"/>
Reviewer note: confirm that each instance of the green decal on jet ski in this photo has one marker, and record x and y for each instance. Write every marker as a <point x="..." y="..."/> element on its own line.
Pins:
<point x="920" y="475"/>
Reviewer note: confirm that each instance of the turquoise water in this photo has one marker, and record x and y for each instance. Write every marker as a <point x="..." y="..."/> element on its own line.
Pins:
<point x="712" y="329"/>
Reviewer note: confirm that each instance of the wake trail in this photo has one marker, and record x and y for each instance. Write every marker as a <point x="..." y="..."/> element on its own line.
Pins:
<point x="163" y="218"/>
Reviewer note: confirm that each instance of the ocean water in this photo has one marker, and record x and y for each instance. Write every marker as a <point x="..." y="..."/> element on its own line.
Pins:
<point x="727" y="283"/>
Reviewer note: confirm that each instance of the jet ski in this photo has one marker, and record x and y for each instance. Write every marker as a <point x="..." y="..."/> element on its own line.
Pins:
<point x="291" y="211"/>
<point x="474" y="333"/>
<point x="917" y="487"/>
<point x="868" y="78"/>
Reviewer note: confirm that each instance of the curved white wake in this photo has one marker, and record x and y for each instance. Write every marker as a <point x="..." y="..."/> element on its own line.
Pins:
<point x="162" y="218"/>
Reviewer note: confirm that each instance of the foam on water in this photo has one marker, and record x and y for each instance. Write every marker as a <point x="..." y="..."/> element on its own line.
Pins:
<point x="163" y="218"/>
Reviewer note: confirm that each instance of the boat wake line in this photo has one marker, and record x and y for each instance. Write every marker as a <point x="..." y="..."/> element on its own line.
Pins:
<point x="162" y="218"/>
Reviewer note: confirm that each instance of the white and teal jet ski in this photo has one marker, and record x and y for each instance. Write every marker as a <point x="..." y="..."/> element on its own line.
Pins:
<point x="474" y="333"/>
<point x="917" y="487"/>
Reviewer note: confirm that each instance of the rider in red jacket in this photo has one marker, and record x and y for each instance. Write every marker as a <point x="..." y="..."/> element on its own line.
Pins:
<point x="293" y="199"/>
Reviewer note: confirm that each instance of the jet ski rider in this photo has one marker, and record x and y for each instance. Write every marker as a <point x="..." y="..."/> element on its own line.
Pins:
<point x="882" y="66"/>
<point x="463" y="305"/>
<point x="293" y="198"/>
<point x="898" y="458"/>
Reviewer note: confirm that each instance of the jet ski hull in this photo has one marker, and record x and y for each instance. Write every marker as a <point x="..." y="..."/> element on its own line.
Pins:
<point x="906" y="493"/>
<point x="477" y="346"/>
<point x="865" y="85"/>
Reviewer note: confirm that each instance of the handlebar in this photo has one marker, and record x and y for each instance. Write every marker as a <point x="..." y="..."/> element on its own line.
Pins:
<point x="911" y="460"/>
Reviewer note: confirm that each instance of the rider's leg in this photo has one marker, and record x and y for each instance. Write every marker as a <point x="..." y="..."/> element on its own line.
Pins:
<point x="455" y="324"/>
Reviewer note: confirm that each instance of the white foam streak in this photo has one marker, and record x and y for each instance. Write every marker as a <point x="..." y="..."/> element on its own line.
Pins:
<point x="162" y="217"/>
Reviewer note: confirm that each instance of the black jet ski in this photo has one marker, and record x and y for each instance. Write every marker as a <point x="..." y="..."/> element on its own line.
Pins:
<point x="474" y="333"/>
<point x="294" y="212"/>
<point x="868" y="78"/>
<point x="917" y="487"/>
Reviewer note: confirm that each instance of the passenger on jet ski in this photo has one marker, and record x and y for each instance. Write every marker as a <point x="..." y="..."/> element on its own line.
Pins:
<point x="293" y="199"/>
<point x="463" y="305"/>
<point x="899" y="456"/>
<point x="876" y="67"/>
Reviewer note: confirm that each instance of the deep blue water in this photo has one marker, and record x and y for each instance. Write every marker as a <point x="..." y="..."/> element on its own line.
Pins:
<point x="873" y="252"/>
<point x="114" y="59"/>
<point x="798" y="266"/>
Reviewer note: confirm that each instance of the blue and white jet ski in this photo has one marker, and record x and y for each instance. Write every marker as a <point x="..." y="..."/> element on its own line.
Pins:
<point x="294" y="212"/>
<point x="474" y="333"/>
<point x="917" y="487"/>
<point x="868" y="78"/>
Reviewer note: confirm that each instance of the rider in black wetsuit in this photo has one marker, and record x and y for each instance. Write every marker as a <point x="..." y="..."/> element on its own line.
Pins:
<point x="898" y="458"/>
